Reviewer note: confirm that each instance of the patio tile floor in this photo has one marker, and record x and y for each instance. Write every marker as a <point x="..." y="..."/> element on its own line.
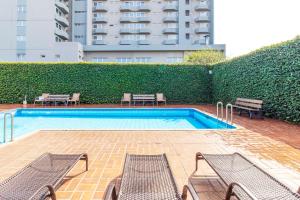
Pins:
<point x="107" y="150"/>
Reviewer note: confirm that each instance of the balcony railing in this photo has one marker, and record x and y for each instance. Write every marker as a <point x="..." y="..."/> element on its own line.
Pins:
<point x="202" y="7"/>
<point x="170" y="7"/>
<point x="100" y="7"/>
<point x="170" y="19"/>
<point x="170" y="42"/>
<point x="135" y="31"/>
<point x="62" y="6"/>
<point x="202" y="30"/>
<point x="202" y="19"/>
<point x="135" y="19"/>
<point x="144" y="42"/>
<point x="99" y="19"/>
<point x="128" y="42"/>
<point x="126" y="8"/>
<point x="62" y="20"/>
<point x="99" y="42"/>
<point x="170" y="30"/>
<point x="62" y="34"/>
<point x="99" y="31"/>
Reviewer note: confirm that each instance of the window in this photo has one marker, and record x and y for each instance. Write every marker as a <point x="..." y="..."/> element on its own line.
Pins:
<point x="203" y="14"/>
<point x="98" y="37"/>
<point x="172" y="25"/>
<point x="174" y="59"/>
<point x="172" y="14"/>
<point x="187" y="13"/>
<point x="172" y="37"/>
<point x="203" y="25"/>
<point x="20" y="23"/>
<point x="124" y="60"/>
<point x="98" y="15"/>
<point x="100" y="59"/>
<point x="79" y="36"/>
<point x="21" y="9"/>
<point x="57" y="57"/>
<point x="187" y="24"/>
<point x="187" y="2"/>
<point x="79" y="24"/>
<point x="21" y="38"/>
<point x="98" y="26"/>
<point x="142" y="59"/>
<point x="134" y="25"/>
<point x="134" y="14"/>
<point x="21" y="56"/>
<point x="133" y="3"/>
<point x="187" y="36"/>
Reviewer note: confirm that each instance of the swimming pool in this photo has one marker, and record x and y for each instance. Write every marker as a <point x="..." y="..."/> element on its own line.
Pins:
<point x="30" y="120"/>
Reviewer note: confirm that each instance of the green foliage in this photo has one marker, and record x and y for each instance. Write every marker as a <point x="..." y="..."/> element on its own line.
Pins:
<point x="103" y="83"/>
<point x="271" y="74"/>
<point x="205" y="57"/>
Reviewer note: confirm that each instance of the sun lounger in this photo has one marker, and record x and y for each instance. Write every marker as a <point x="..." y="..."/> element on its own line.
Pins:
<point x="75" y="99"/>
<point x="41" y="178"/>
<point x="126" y="99"/>
<point x="245" y="180"/>
<point x="146" y="177"/>
<point x="41" y="98"/>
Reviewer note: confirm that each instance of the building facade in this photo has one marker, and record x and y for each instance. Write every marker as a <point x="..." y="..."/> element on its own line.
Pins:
<point x="107" y="30"/>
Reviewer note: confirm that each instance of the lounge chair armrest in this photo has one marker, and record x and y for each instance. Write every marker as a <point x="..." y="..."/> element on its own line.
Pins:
<point x="233" y="185"/>
<point x="199" y="156"/>
<point x="50" y="189"/>
<point x="187" y="188"/>
<point x="111" y="193"/>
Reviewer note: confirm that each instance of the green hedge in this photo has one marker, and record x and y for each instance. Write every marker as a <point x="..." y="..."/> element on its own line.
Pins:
<point x="104" y="83"/>
<point x="271" y="74"/>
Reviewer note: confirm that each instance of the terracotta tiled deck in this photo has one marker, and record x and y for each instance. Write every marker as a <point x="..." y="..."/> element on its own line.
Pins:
<point x="107" y="151"/>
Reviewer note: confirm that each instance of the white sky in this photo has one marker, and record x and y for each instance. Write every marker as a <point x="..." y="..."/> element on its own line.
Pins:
<point x="245" y="25"/>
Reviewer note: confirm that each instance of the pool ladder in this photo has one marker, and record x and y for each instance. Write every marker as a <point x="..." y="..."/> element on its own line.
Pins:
<point x="220" y="115"/>
<point x="12" y="126"/>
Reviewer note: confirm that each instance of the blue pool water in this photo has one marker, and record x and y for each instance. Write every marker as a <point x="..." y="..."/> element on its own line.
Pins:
<point x="30" y="120"/>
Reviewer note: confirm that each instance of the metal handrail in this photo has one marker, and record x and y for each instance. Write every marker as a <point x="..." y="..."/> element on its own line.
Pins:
<point x="12" y="127"/>
<point x="231" y="112"/>
<point x="222" y="114"/>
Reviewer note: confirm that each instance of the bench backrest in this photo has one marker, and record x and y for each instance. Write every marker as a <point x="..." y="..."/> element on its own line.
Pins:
<point x="143" y="96"/>
<point x="251" y="103"/>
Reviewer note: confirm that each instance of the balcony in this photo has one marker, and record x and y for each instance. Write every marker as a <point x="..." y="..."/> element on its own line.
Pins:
<point x="127" y="42"/>
<point x="99" y="31"/>
<point x="170" y="7"/>
<point x="170" y="19"/>
<point x="62" y="6"/>
<point x="99" y="42"/>
<point x="170" y="30"/>
<point x="62" y="34"/>
<point x="135" y="19"/>
<point x="202" y="19"/>
<point x="144" y="42"/>
<point x="127" y="8"/>
<point x="202" y="30"/>
<point x="62" y="20"/>
<point x="99" y="20"/>
<point x="135" y="31"/>
<point x="170" y="42"/>
<point x="202" y="7"/>
<point x="100" y="8"/>
<point x="200" y="42"/>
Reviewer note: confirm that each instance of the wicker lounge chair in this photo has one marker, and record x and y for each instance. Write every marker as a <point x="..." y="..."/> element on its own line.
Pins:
<point x="41" y="98"/>
<point x="41" y="178"/>
<point x="161" y="98"/>
<point x="75" y="99"/>
<point x="146" y="177"/>
<point x="126" y="98"/>
<point x="243" y="179"/>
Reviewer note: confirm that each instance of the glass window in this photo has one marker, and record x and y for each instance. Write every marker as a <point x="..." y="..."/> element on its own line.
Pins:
<point x="21" y="38"/>
<point x="20" y="23"/>
<point x="21" y="56"/>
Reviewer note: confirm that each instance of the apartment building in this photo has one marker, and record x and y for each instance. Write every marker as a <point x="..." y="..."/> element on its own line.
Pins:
<point x="37" y="30"/>
<point x="106" y="30"/>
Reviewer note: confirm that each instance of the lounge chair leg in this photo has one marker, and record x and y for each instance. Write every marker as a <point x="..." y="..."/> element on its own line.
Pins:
<point x="298" y="190"/>
<point x="86" y="158"/>
<point x="184" y="192"/>
<point x="51" y="192"/>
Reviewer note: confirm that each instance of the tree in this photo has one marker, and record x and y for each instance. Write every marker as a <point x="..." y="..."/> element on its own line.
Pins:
<point x="205" y="57"/>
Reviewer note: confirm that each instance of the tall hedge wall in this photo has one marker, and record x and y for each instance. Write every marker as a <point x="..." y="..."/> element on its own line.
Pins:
<point x="271" y="74"/>
<point x="104" y="83"/>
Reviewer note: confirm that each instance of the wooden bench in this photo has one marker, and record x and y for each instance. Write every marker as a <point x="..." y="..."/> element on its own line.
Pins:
<point x="251" y="106"/>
